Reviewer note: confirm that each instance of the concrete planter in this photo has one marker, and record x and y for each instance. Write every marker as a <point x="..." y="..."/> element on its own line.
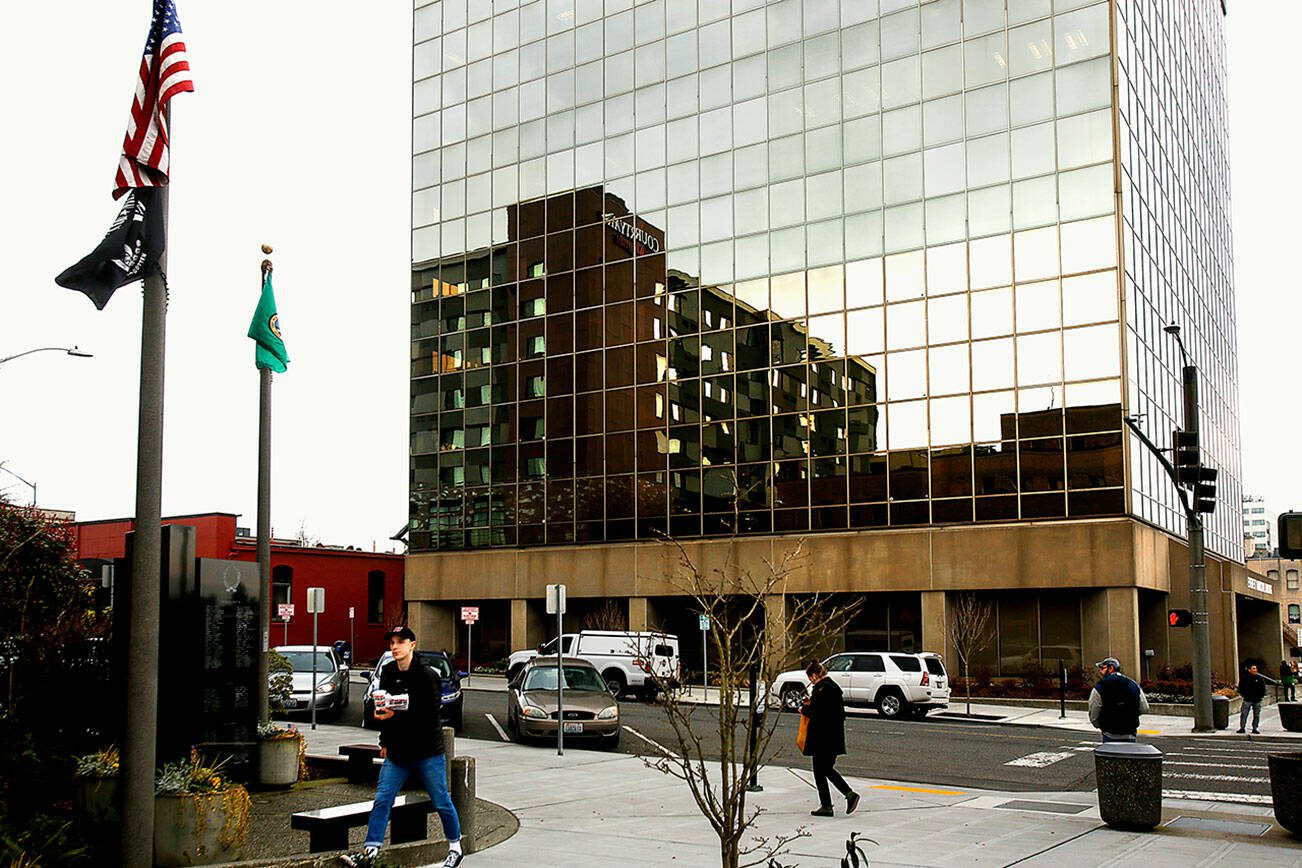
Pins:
<point x="93" y="799"/>
<point x="1286" y="789"/>
<point x="1130" y="785"/>
<point x="196" y="830"/>
<point x="278" y="761"/>
<point x="1290" y="716"/>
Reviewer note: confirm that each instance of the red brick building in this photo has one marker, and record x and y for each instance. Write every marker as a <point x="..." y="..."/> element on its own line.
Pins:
<point x="369" y="584"/>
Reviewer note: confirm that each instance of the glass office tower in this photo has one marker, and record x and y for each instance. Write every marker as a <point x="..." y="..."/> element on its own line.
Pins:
<point x="708" y="268"/>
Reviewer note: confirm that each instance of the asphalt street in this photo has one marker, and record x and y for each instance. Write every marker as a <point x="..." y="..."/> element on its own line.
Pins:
<point x="943" y="753"/>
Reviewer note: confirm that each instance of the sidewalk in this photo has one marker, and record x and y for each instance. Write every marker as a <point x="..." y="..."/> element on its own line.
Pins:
<point x="598" y="808"/>
<point x="1075" y="721"/>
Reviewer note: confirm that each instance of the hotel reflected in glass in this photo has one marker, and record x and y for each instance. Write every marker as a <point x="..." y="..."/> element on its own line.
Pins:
<point x="881" y="275"/>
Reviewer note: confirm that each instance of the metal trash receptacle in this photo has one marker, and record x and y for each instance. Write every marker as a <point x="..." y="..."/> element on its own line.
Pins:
<point x="1220" y="712"/>
<point x="1129" y="779"/>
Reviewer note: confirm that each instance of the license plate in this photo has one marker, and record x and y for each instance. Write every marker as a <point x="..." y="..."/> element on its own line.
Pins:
<point x="573" y="728"/>
<point x="291" y="703"/>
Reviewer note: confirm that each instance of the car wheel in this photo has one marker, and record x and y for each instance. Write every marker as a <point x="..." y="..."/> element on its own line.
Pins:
<point x="792" y="698"/>
<point x="614" y="682"/>
<point x="610" y="742"/>
<point x="454" y="719"/>
<point x="891" y="705"/>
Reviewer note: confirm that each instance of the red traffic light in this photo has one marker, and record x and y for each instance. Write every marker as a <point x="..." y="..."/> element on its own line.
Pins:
<point x="1179" y="617"/>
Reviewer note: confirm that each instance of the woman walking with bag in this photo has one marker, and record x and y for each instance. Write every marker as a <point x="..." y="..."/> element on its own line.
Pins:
<point x="825" y="739"/>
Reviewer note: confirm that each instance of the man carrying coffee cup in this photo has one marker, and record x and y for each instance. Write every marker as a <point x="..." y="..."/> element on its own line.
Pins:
<point x="408" y="701"/>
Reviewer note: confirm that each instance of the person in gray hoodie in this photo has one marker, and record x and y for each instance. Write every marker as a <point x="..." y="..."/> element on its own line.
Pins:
<point x="1116" y="703"/>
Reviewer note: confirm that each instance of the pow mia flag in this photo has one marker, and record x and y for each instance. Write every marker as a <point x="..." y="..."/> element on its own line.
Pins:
<point x="130" y="249"/>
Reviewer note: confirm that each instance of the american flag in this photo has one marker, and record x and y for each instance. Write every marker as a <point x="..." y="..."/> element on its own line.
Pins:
<point x="164" y="72"/>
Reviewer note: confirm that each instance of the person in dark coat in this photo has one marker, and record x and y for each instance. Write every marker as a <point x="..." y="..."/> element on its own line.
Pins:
<point x="1116" y="703"/>
<point x="825" y="739"/>
<point x="1252" y="689"/>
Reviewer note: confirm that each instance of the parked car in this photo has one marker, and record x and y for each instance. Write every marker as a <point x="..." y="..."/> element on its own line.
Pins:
<point x="439" y="662"/>
<point x="625" y="660"/>
<point x="331" y="678"/>
<point x="897" y="684"/>
<point x="590" y="709"/>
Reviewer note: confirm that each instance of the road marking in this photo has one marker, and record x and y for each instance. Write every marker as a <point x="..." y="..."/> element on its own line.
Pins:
<point x="1237" y="798"/>
<point x="1217" y="765"/>
<point x="1148" y="731"/>
<point x="1041" y="759"/>
<point x="1238" y="779"/>
<point x="497" y="726"/>
<point x="655" y="744"/>
<point x="918" y="790"/>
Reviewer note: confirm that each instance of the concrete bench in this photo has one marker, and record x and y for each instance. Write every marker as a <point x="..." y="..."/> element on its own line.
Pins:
<point x="361" y="762"/>
<point x="327" y="828"/>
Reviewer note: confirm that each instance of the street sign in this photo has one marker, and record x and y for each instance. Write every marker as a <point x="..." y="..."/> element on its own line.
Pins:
<point x="705" y="622"/>
<point x="469" y="614"/>
<point x="285" y="611"/>
<point x="351" y="612"/>
<point x="555" y="599"/>
<point x="315" y="601"/>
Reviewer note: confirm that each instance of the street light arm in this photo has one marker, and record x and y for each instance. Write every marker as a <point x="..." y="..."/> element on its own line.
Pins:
<point x="1162" y="459"/>
<point x="72" y="351"/>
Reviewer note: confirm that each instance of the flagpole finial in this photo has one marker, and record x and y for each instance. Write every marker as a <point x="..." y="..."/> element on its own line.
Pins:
<point x="266" y="248"/>
<point x="266" y="263"/>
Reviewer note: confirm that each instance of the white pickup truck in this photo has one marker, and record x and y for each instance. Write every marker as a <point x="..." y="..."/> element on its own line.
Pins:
<point x="625" y="660"/>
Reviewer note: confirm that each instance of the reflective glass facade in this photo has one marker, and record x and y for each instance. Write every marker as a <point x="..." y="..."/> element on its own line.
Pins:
<point x="708" y="268"/>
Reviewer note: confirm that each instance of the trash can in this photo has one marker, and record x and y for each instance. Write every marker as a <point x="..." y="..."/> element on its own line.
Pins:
<point x="1129" y="778"/>
<point x="1220" y="712"/>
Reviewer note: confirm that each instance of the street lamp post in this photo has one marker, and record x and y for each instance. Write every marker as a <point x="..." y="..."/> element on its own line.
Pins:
<point x="31" y="485"/>
<point x="72" y="351"/>
<point x="1188" y="470"/>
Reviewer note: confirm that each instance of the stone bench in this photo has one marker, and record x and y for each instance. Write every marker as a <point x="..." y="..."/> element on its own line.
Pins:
<point x="327" y="828"/>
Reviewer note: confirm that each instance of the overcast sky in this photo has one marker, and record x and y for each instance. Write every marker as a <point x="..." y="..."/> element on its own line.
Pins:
<point x="298" y="136"/>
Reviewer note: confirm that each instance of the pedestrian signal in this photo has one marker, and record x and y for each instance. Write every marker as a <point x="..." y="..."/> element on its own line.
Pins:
<point x="1290" y="535"/>
<point x="1179" y="617"/>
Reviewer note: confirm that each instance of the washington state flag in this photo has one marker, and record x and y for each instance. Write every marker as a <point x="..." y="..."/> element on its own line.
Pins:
<point x="265" y="330"/>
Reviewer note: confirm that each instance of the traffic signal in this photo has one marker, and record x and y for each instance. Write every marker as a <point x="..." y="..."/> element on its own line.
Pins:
<point x="1204" y="490"/>
<point x="1187" y="457"/>
<point x="1290" y="535"/>
<point x="1179" y="617"/>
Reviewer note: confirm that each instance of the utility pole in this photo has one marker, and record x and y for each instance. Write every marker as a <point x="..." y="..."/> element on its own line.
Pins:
<point x="1187" y="471"/>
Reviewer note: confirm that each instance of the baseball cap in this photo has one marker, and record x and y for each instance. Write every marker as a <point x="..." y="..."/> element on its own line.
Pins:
<point x="402" y="631"/>
<point x="1109" y="661"/>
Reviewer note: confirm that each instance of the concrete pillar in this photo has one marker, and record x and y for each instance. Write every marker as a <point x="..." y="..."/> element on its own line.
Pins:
<point x="449" y="751"/>
<point x="775" y="631"/>
<point x="433" y="623"/>
<point x="935" y="619"/>
<point x="638" y="621"/>
<point x="526" y="626"/>
<point x="463" y="799"/>
<point x="1110" y="628"/>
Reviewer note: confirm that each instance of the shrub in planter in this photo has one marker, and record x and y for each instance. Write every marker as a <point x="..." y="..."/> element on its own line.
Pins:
<point x="97" y="785"/>
<point x="200" y="817"/>
<point x="281" y="752"/>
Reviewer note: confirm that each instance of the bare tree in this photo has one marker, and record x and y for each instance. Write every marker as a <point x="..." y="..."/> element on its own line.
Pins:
<point x="969" y="632"/>
<point x="608" y="615"/>
<point x="716" y="751"/>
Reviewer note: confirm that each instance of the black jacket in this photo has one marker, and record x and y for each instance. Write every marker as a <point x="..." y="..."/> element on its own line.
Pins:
<point x="826" y="713"/>
<point x="416" y="733"/>
<point x="1252" y="687"/>
<point x="1119" y="706"/>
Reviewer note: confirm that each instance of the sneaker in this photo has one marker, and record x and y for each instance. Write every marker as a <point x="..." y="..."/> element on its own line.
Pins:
<point x="454" y="859"/>
<point x="851" y="802"/>
<point x="822" y="812"/>
<point x="1240" y="732"/>
<point x="1256" y="732"/>
<point x="361" y="859"/>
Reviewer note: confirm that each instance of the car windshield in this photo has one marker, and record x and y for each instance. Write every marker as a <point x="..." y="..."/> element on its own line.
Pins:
<point x="576" y="678"/>
<point x="301" y="661"/>
<point x="438" y="663"/>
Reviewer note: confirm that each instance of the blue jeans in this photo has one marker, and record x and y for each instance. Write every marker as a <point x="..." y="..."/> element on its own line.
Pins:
<point x="433" y="773"/>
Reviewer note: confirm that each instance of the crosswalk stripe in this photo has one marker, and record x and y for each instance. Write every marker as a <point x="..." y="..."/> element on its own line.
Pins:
<point x="1236" y="798"/>
<point x="1209" y="765"/>
<point x="1231" y="778"/>
<point x="1040" y="759"/>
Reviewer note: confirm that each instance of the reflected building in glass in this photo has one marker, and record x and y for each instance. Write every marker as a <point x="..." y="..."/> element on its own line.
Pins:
<point x="879" y="275"/>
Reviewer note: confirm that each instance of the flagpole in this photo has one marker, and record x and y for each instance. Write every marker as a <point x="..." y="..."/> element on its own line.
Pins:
<point x="264" y="521"/>
<point x="140" y="738"/>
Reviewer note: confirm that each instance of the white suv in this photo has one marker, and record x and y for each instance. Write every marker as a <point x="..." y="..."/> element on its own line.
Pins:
<point x="897" y="684"/>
